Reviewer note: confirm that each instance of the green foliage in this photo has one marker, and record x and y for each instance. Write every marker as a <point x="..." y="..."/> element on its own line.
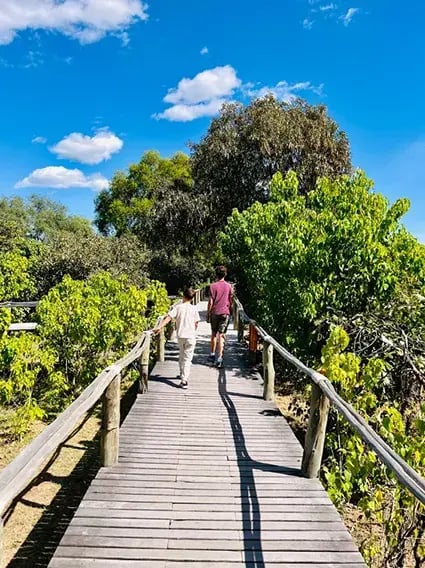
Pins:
<point x="352" y="471"/>
<point x="83" y="327"/>
<point x="89" y="323"/>
<point x="156" y="202"/>
<point x="80" y="256"/>
<point x="246" y="145"/>
<point x="28" y="383"/>
<point x="37" y="219"/>
<point x="127" y="205"/>
<point x="15" y="280"/>
<point x="299" y="259"/>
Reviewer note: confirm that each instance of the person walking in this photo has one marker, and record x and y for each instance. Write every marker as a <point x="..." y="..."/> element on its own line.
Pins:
<point x="187" y="318"/>
<point x="218" y="314"/>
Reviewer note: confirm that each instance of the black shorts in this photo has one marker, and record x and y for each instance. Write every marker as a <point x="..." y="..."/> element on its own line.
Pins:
<point x="219" y="323"/>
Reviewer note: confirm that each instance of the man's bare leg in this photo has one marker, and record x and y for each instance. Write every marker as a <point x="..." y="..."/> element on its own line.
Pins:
<point x="213" y="342"/>
<point x="221" y="338"/>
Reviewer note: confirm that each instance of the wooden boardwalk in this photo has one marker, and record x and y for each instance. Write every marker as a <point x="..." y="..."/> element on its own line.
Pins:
<point x="207" y="477"/>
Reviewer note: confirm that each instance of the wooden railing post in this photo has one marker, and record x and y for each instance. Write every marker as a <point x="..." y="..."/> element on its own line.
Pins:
<point x="316" y="432"/>
<point x="2" y="547"/>
<point x="253" y="343"/>
<point x="144" y="366"/>
<point x="111" y="423"/>
<point x="160" y="346"/>
<point x="268" y="371"/>
<point x="235" y="316"/>
<point x="241" y="326"/>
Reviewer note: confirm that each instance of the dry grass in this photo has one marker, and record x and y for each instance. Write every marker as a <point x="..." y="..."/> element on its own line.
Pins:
<point x="39" y="518"/>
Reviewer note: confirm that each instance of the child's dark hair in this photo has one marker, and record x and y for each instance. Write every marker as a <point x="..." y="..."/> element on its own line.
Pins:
<point x="189" y="293"/>
<point x="221" y="271"/>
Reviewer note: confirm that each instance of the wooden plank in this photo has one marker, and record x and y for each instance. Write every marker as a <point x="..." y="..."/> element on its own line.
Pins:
<point x="29" y="326"/>
<point x="206" y="477"/>
<point x="16" y="476"/>
<point x="75" y="562"/>
<point x="32" y="304"/>
<point x="149" y="554"/>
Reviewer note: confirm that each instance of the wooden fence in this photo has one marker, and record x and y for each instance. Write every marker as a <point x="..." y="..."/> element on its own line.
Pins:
<point x="322" y="394"/>
<point x="28" y="326"/>
<point x="16" y="477"/>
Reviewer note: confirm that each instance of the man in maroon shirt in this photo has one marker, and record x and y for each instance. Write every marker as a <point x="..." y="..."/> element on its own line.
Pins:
<point x="219" y="306"/>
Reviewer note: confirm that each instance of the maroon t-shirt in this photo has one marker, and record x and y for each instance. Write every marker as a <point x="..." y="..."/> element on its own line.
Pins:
<point x="221" y="295"/>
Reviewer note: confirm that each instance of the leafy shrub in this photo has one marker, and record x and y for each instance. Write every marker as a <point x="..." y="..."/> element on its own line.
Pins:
<point x="298" y="259"/>
<point x="353" y="472"/>
<point x="83" y="327"/>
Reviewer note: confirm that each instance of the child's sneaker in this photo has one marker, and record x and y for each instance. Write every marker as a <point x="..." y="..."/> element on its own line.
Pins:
<point x="183" y="384"/>
<point x="219" y="362"/>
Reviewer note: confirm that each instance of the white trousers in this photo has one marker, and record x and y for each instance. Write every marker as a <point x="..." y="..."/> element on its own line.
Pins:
<point x="186" y="350"/>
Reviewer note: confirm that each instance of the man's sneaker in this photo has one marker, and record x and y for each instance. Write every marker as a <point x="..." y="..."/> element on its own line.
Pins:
<point x="211" y="358"/>
<point x="178" y="376"/>
<point x="219" y="362"/>
<point x="183" y="384"/>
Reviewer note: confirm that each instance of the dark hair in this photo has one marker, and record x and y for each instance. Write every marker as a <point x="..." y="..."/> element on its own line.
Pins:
<point x="188" y="293"/>
<point x="221" y="271"/>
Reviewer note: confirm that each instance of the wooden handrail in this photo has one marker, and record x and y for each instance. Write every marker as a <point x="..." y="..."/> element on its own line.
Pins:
<point x="407" y="476"/>
<point x="19" y="474"/>
<point x="19" y="304"/>
<point x="26" y="326"/>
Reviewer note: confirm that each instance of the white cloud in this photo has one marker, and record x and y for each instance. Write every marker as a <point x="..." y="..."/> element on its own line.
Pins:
<point x="284" y="91"/>
<point x="320" y="11"/>
<point x="351" y="12"/>
<point x="62" y="178"/>
<point x="33" y="60"/>
<point x="186" y="113"/>
<point x="204" y="50"/>
<point x="86" y="149"/>
<point x="205" y="94"/>
<point x="39" y="140"/>
<point x="327" y="7"/>
<point x="85" y="20"/>
<point x="201" y="96"/>
<point x="205" y="86"/>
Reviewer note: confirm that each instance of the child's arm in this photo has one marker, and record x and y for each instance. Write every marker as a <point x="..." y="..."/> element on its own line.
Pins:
<point x="163" y="323"/>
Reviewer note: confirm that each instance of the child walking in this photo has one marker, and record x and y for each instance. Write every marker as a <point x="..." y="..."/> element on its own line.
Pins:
<point x="187" y="319"/>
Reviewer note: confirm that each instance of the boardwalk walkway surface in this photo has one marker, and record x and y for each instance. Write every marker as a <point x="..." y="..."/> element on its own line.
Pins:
<point x="207" y="477"/>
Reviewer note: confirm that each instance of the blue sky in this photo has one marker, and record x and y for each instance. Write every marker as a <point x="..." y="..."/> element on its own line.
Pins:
<point x="83" y="84"/>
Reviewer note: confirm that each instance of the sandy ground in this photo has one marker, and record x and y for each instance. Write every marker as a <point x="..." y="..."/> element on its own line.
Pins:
<point x="40" y="517"/>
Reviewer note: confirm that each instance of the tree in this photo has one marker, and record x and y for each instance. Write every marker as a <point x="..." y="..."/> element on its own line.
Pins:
<point x="246" y="145"/>
<point x="80" y="256"/>
<point x="301" y="258"/>
<point x="156" y="202"/>
<point x="47" y="218"/>
<point x="126" y="206"/>
<point x="37" y="219"/>
<point x="16" y="282"/>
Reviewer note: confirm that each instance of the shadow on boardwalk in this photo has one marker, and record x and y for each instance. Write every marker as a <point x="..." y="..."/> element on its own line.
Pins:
<point x="40" y="545"/>
<point x="250" y="507"/>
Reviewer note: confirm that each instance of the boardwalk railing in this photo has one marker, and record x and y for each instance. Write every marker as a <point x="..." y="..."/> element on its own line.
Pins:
<point x="322" y="394"/>
<point x="28" y="326"/>
<point x="16" y="477"/>
<point x="18" y="304"/>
